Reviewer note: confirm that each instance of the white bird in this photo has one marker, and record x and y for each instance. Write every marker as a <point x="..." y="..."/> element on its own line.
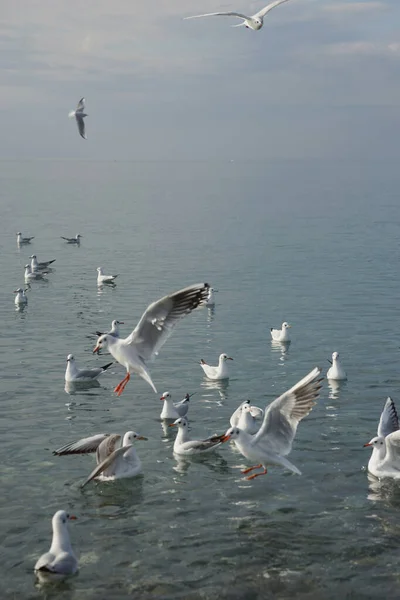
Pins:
<point x="21" y="297"/>
<point x="219" y="372"/>
<point x="247" y="422"/>
<point x="150" y="334"/>
<point x="39" y="266"/>
<point x="79" y="115"/>
<point x="31" y="275"/>
<point x="72" y="372"/>
<point x="254" y="22"/>
<point x="115" y="459"/>
<point x="211" y="298"/>
<point x="174" y="410"/>
<point x="114" y="331"/>
<point x="23" y="240"/>
<point x="256" y="412"/>
<point x="273" y="441"/>
<point x="60" y="561"/>
<point x="336" y="371"/>
<point x="74" y="240"/>
<point x="281" y="335"/>
<point x="104" y="278"/>
<point x="385" y="458"/>
<point x="184" y="446"/>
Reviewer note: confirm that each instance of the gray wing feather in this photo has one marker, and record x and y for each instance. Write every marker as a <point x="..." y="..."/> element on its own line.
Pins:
<point x="83" y="446"/>
<point x="222" y="14"/>
<point x="81" y="104"/>
<point x="81" y="126"/>
<point x="107" y="447"/>
<point x="106" y="463"/>
<point x="161" y="317"/>
<point x="389" y="421"/>
<point x="266" y="9"/>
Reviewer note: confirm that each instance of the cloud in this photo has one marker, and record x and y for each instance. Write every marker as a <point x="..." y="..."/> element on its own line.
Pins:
<point x="354" y="7"/>
<point x="364" y="48"/>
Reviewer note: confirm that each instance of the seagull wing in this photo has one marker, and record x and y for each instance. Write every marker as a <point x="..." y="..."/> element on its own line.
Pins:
<point x="283" y="415"/>
<point x="393" y="449"/>
<point x="222" y="14"/>
<point x="81" y="126"/>
<point x="83" y="446"/>
<point x="389" y="421"/>
<point x="160" y="319"/>
<point x="112" y="459"/>
<point x="107" y="447"/>
<point x="81" y="104"/>
<point x="266" y="9"/>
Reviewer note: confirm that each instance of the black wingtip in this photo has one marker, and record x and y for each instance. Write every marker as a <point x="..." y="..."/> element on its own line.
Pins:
<point x="106" y="366"/>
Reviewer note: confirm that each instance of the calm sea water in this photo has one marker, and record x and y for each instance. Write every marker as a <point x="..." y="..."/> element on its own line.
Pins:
<point x="316" y="244"/>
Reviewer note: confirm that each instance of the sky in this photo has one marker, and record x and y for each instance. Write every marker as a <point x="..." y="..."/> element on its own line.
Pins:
<point x="319" y="80"/>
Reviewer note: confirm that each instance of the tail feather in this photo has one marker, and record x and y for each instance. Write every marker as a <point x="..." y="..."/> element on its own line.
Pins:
<point x="107" y="366"/>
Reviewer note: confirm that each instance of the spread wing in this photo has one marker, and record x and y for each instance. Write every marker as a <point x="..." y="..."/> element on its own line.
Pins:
<point x="221" y="14"/>
<point x="160" y="319"/>
<point x="389" y="421"/>
<point x="83" y="446"/>
<point x="107" y="447"/>
<point x="266" y="9"/>
<point x="112" y="459"/>
<point x="81" y="126"/>
<point x="81" y="104"/>
<point x="283" y="415"/>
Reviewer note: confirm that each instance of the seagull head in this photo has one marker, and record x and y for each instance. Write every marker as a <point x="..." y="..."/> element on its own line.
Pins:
<point x="33" y="256"/>
<point x="18" y="291"/>
<point x="78" y="235"/>
<point x="285" y="325"/>
<point x="70" y="358"/>
<point x="18" y="233"/>
<point x="224" y="357"/>
<point x="165" y="396"/>
<point x="335" y="355"/>
<point x="232" y="434"/>
<point x="376" y="442"/>
<point x="181" y="423"/>
<point x="101" y="342"/>
<point x="61" y="517"/>
<point x="132" y="436"/>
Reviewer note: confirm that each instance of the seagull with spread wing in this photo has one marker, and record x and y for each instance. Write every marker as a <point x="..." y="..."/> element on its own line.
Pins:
<point x="79" y="115"/>
<point x="254" y="22"/>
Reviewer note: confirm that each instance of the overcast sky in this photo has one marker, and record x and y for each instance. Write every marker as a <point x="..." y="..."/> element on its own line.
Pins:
<point x="321" y="79"/>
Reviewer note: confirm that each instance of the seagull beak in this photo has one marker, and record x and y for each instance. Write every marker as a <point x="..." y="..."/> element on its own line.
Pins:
<point x="171" y="425"/>
<point x="225" y="438"/>
<point x="329" y="361"/>
<point x="365" y="445"/>
<point x="289" y="326"/>
<point x="229" y="358"/>
<point x="141" y="437"/>
<point x="162" y="398"/>
<point x="72" y="518"/>
<point x="96" y="350"/>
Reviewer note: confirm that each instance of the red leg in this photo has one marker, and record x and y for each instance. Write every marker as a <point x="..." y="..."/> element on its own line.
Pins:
<point x="251" y="469"/>
<point x="122" y="384"/>
<point x="257" y="474"/>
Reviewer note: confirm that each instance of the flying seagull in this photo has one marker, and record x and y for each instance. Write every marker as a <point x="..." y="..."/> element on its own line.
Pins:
<point x="79" y="116"/>
<point x="254" y="22"/>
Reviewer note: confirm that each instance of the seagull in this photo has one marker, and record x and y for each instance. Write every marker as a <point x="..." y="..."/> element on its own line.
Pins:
<point x="23" y="240"/>
<point x="150" y="334"/>
<point x="336" y="371"/>
<point x="254" y="22"/>
<point x="30" y="275"/>
<point x="217" y="373"/>
<point x="79" y="116"/>
<point x="211" y="299"/>
<point x="60" y="561"/>
<point x="184" y="446"/>
<point x="72" y="372"/>
<point x="273" y="442"/>
<point x="39" y="266"/>
<point x="21" y="297"/>
<point x="104" y="278"/>
<point x="247" y="422"/>
<point x="256" y="412"/>
<point x="172" y="410"/>
<point x="113" y="462"/>
<point x="281" y="335"/>
<point x="385" y="458"/>
<point x="114" y="331"/>
<point x="74" y="240"/>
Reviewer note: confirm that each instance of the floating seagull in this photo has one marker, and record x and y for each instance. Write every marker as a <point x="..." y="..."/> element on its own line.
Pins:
<point x="217" y="373"/>
<point x="72" y="372"/>
<point x="255" y="22"/>
<point x="183" y="445"/>
<point x="385" y="458"/>
<point x="172" y="410"/>
<point x="150" y="334"/>
<point x="114" y="331"/>
<point x="74" y="240"/>
<point x="79" y="116"/>
<point x="39" y="266"/>
<point x="274" y="439"/>
<point x="113" y="462"/>
<point x="21" y="297"/>
<point x="247" y="422"/>
<point x="23" y="240"/>
<point x="256" y="412"/>
<point x="104" y="278"/>
<point x="60" y="561"/>
<point x="31" y="275"/>
<point x="336" y="371"/>
<point x="281" y="335"/>
<point x="211" y="298"/>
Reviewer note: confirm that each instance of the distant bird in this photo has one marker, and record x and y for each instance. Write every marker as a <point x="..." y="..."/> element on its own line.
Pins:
<point x="72" y="372"/>
<point x="184" y="446"/>
<point x="79" y="115"/>
<point x="219" y="372"/>
<point x="256" y="412"/>
<point x="273" y="441"/>
<point x="281" y="335"/>
<point x="115" y="460"/>
<point x="172" y="410"/>
<point x="211" y="298"/>
<point x="21" y="297"/>
<point x="150" y="334"/>
<point x="32" y="275"/>
<point x="336" y="371"/>
<point x="60" y="561"/>
<point x="254" y="22"/>
<point x="74" y="240"/>
<point x="104" y="278"/>
<point x="39" y="266"/>
<point x="114" y="331"/>
<point x="385" y="458"/>
<point x="23" y="240"/>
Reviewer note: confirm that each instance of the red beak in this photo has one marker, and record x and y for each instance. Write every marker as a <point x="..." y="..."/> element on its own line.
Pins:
<point x="96" y="349"/>
<point x="72" y="518"/>
<point x="171" y="425"/>
<point x="365" y="445"/>
<point x="162" y="398"/>
<point x="225" y="438"/>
